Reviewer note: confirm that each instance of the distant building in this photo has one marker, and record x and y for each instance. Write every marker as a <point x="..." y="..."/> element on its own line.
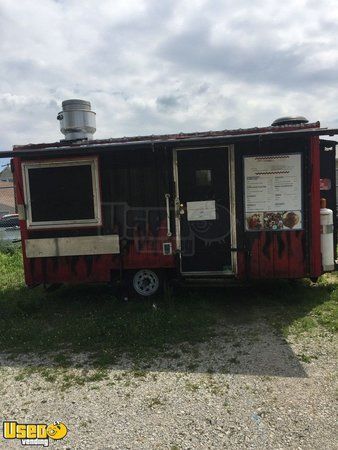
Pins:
<point x="7" y="196"/>
<point x="6" y="174"/>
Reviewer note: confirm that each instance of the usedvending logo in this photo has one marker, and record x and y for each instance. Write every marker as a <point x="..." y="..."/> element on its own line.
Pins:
<point x="34" y="433"/>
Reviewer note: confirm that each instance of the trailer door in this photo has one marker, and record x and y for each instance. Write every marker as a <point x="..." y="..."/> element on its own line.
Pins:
<point x="202" y="210"/>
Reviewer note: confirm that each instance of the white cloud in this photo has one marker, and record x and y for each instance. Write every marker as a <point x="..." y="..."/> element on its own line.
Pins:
<point x="168" y="66"/>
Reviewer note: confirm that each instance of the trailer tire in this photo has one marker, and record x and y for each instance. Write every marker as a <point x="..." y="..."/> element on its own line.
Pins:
<point x="146" y="282"/>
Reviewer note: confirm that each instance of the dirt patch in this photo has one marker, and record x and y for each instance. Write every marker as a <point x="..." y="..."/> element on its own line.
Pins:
<point x="246" y="387"/>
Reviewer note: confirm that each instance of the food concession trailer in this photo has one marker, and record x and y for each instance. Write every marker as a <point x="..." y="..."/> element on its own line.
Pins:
<point x="241" y="204"/>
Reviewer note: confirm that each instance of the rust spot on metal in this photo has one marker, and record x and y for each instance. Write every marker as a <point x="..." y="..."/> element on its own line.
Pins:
<point x="89" y="264"/>
<point x="267" y="244"/>
<point x="55" y="264"/>
<point x="280" y="245"/>
<point x="303" y="237"/>
<point x="32" y="265"/>
<point x="73" y="262"/>
<point x="251" y="239"/>
<point x="44" y="268"/>
<point x="288" y="240"/>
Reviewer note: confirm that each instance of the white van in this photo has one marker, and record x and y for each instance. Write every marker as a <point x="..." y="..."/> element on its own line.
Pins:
<point x="9" y="228"/>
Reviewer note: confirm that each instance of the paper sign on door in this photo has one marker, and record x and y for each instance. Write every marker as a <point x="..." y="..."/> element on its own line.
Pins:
<point x="205" y="210"/>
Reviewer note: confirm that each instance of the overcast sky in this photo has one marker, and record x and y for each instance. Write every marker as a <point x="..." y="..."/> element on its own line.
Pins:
<point x="159" y="66"/>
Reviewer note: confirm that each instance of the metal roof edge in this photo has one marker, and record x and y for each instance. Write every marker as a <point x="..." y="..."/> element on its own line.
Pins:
<point x="68" y="149"/>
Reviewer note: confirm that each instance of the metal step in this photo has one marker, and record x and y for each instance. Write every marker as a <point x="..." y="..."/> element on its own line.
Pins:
<point x="209" y="281"/>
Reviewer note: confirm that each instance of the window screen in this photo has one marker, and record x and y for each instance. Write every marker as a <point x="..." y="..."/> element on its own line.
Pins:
<point x="61" y="194"/>
<point x="203" y="177"/>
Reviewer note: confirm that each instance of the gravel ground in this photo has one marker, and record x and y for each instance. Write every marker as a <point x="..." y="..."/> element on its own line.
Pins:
<point x="246" y="388"/>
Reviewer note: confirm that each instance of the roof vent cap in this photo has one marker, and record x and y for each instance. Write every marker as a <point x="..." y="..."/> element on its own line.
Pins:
<point x="289" y="120"/>
<point x="77" y="120"/>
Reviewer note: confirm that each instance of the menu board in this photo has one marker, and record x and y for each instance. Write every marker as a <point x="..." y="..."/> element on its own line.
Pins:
<point x="273" y="192"/>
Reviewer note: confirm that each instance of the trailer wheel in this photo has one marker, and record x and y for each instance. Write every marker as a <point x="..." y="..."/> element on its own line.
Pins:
<point x="146" y="282"/>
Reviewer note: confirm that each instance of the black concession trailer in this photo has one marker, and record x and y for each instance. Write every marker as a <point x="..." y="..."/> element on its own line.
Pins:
<point x="232" y="204"/>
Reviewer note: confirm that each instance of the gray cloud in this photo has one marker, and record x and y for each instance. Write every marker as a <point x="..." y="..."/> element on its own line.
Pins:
<point x="260" y="62"/>
<point x="168" y="66"/>
<point x="167" y="103"/>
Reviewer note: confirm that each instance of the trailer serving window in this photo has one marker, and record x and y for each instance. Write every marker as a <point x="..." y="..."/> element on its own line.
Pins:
<point x="62" y="193"/>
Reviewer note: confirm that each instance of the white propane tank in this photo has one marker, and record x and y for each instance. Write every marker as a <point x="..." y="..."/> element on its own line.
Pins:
<point x="326" y="236"/>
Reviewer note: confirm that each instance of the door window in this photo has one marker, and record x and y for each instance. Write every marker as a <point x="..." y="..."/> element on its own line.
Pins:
<point x="203" y="177"/>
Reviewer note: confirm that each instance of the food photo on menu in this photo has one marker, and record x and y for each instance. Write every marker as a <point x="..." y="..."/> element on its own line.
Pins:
<point x="274" y="220"/>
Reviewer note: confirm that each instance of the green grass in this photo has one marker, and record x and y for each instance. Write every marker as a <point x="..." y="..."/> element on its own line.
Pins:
<point x="303" y="307"/>
<point x="90" y="319"/>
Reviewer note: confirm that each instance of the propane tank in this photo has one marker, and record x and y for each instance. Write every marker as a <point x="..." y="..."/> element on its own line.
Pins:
<point x="326" y="236"/>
